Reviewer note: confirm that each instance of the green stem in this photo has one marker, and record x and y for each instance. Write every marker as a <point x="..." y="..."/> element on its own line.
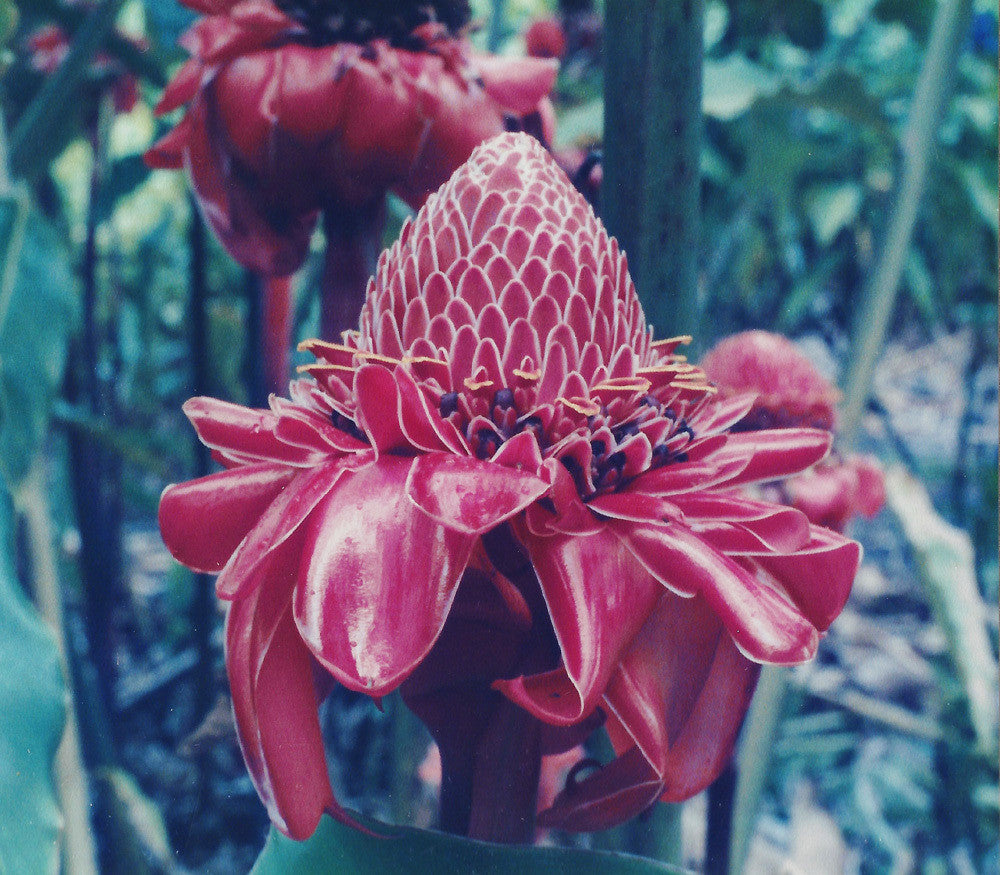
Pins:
<point x="652" y="142"/>
<point x="756" y="748"/>
<point x="930" y="99"/>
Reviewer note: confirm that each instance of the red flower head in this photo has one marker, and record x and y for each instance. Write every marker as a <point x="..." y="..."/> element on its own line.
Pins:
<point x="792" y="393"/>
<point x="502" y="485"/>
<point x="545" y="38"/>
<point x="298" y="107"/>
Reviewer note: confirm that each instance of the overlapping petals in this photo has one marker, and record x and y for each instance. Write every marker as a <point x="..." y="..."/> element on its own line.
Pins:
<point x="279" y="125"/>
<point x="504" y="398"/>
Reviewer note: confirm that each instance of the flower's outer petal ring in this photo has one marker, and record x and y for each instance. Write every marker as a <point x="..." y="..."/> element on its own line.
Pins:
<point x="766" y="626"/>
<point x="819" y="576"/>
<point x="469" y="495"/>
<point x="203" y="521"/>
<point x="275" y="706"/>
<point x="275" y="525"/>
<point x="774" y="453"/>
<point x="244" y="431"/>
<point x="598" y="597"/>
<point x="517" y="84"/>
<point x="377" y="579"/>
<point x="680" y="694"/>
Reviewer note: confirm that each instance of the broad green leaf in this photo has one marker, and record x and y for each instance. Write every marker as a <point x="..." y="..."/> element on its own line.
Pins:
<point x="38" y="319"/>
<point x="31" y="724"/>
<point x="335" y="849"/>
<point x="581" y="124"/>
<point x="830" y="208"/>
<point x="982" y="195"/>
<point x="716" y="22"/>
<point x="732" y="85"/>
<point x="946" y="565"/>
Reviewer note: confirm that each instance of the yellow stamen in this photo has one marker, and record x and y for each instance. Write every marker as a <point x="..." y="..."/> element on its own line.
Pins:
<point x="583" y="406"/>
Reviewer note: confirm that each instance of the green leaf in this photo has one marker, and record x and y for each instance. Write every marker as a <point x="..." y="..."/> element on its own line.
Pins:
<point x="138" y="836"/>
<point x="581" y="124"/>
<point x="39" y="316"/>
<point x="716" y="23"/>
<point x="830" y="208"/>
<point x="40" y="131"/>
<point x="335" y="849"/>
<point x="31" y="724"/>
<point x="733" y="84"/>
<point x="982" y="195"/>
<point x="124" y="176"/>
<point x="946" y="565"/>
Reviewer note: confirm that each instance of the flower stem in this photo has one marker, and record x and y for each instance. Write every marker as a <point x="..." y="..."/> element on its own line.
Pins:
<point x="505" y="786"/>
<point x="277" y="332"/>
<point x="353" y="240"/>
<point x="650" y="196"/>
<point x="927" y="108"/>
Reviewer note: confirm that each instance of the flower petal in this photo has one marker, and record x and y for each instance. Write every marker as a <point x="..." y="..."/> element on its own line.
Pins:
<point x="819" y="576"/>
<point x="378" y="408"/>
<point x="243" y="431"/>
<point x="598" y="596"/>
<point x="680" y="694"/>
<point x="275" y="705"/>
<point x="377" y="579"/>
<point x="282" y="517"/>
<point x="469" y="495"/>
<point x="203" y="521"/>
<point x="517" y="84"/>
<point x="619" y="791"/>
<point x="774" y="453"/>
<point x="682" y="688"/>
<point x="766" y="626"/>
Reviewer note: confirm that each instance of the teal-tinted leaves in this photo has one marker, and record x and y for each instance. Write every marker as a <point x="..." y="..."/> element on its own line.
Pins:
<point x="31" y="724"/>
<point x="38" y="318"/>
<point x="335" y="849"/>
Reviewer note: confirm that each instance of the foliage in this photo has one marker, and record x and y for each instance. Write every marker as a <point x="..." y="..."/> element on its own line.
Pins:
<point x="31" y="724"/>
<point x="335" y="849"/>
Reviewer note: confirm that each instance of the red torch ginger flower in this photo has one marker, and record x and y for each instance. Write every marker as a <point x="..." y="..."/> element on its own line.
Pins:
<point x="793" y="393"/>
<point x="503" y="497"/>
<point x="297" y="107"/>
<point x="545" y="38"/>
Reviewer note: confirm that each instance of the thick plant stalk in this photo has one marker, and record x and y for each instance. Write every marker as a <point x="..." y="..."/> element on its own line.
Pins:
<point x="277" y="334"/>
<point x="930" y="99"/>
<point x="650" y="199"/>
<point x="652" y="144"/>
<point x="353" y="242"/>
<point x="79" y="856"/>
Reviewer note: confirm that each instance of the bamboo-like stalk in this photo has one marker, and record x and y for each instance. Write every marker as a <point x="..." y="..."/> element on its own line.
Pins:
<point x="79" y="855"/>
<point x="650" y="198"/>
<point x="930" y="99"/>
